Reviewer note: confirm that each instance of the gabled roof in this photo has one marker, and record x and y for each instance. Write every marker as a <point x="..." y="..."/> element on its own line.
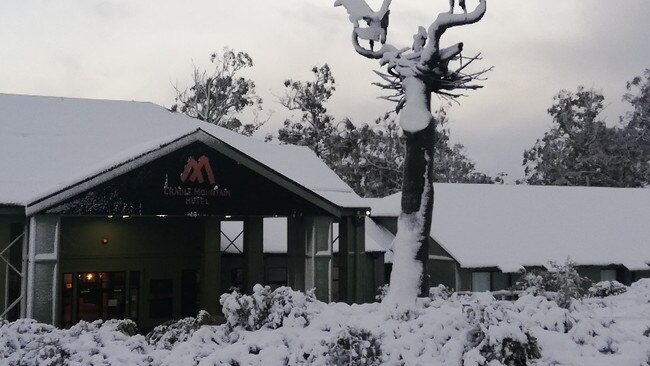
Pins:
<point x="48" y="144"/>
<point x="508" y="226"/>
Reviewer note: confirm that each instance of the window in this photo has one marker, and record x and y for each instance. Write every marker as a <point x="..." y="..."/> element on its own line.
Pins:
<point x="481" y="281"/>
<point x="608" y="275"/>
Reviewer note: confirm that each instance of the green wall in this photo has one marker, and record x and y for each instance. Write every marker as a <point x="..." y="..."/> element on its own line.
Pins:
<point x="159" y="248"/>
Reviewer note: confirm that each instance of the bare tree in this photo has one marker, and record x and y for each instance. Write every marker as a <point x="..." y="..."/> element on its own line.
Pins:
<point x="414" y="74"/>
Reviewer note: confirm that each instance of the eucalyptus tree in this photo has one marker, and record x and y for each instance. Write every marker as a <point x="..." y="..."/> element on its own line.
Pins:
<point x="413" y="74"/>
<point x="216" y="96"/>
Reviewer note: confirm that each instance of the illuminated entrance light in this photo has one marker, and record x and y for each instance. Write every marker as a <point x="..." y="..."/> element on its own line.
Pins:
<point x="227" y="216"/>
<point x="125" y="216"/>
<point x="368" y="213"/>
<point x="90" y="276"/>
<point x="161" y="215"/>
<point x="110" y="216"/>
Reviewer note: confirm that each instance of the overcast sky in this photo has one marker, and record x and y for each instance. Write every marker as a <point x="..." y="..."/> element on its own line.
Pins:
<point x="136" y="50"/>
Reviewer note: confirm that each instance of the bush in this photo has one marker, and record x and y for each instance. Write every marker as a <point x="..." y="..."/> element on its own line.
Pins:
<point x="498" y="338"/>
<point x="166" y="335"/>
<point x="607" y="288"/>
<point x="562" y="279"/>
<point x="382" y="291"/>
<point x="353" y="346"/>
<point x="440" y="292"/>
<point x="26" y="342"/>
<point x="266" y="308"/>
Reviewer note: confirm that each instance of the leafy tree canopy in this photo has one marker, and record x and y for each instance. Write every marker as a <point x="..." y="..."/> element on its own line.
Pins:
<point x="370" y="157"/>
<point x="581" y="150"/>
<point x="217" y="95"/>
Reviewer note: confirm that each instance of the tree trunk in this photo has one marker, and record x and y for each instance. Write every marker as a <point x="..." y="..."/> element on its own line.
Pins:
<point x="417" y="191"/>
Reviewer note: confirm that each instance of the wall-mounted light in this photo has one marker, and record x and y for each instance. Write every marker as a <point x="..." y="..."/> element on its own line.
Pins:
<point x="110" y="216"/>
<point x="125" y="216"/>
<point x="161" y="215"/>
<point x="368" y="213"/>
<point x="227" y="216"/>
<point x="104" y="240"/>
<point x="90" y="276"/>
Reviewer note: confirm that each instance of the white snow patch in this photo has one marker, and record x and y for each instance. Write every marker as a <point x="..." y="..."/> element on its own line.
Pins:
<point x="415" y="115"/>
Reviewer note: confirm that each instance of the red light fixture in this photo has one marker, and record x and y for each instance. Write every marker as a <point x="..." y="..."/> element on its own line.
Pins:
<point x="104" y="240"/>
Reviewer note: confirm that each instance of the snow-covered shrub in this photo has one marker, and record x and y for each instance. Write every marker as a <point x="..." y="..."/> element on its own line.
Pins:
<point x="607" y="288"/>
<point x="533" y="282"/>
<point x="561" y="279"/>
<point x="538" y="311"/>
<point x="26" y="342"/>
<point x="167" y="334"/>
<point x="498" y="337"/>
<point x="355" y="346"/>
<point x="126" y="326"/>
<point x="440" y="292"/>
<point x="382" y="291"/>
<point x="267" y="309"/>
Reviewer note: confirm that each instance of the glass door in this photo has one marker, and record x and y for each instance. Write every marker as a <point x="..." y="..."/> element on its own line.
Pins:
<point x="92" y="296"/>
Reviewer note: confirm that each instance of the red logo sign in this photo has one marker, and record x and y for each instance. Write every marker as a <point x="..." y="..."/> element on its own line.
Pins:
<point x="194" y="169"/>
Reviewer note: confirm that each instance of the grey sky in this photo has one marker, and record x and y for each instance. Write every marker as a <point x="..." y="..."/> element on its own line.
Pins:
<point x="136" y="50"/>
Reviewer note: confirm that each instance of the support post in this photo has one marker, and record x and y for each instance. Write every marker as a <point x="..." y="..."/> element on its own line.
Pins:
<point x="253" y="252"/>
<point x="351" y="259"/>
<point x="42" y="290"/>
<point x="210" y="266"/>
<point x="296" y="252"/>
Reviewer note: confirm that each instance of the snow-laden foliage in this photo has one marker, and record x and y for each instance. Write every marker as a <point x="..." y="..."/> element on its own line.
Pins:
<point x="561" y="281"/>
<point x="166" y="335"/>
<point x="443" y="329"/>
<point x="26" y="342"/>
<point x="354" y="346"/>
<point x="497" y="337"/>
<point x="607" y="288"/>
<point x="441" y="292"/>
<point x="267" y="309"/>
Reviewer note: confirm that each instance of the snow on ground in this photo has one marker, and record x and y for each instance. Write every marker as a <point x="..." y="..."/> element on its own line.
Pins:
<point x="290" y="328"/>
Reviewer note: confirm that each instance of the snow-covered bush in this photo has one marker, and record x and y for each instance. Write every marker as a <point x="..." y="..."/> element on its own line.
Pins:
<point x="267" y="309"/>
<point x="166" y="335"/>
<point x="440" y="292"/>
<point x="498" y="336"/>
<point x="355" y="346"/>
<point x="607" y="288"/>
<point x="562" y="279"/>
<point x="26" y="342"/>
<point x="382" y="291"/>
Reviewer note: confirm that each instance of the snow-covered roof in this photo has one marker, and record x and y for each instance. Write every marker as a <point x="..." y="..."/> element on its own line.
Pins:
<point x="510" y="226"/>
<point x="50" y="143"/>
<point x="378" y="239"/>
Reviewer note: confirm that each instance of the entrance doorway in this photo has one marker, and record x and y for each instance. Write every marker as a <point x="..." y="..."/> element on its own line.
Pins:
<point x="92" y="296"/>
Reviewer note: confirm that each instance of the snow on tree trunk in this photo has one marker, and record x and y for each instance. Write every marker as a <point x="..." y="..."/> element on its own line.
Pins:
<point x="409" y="275"/>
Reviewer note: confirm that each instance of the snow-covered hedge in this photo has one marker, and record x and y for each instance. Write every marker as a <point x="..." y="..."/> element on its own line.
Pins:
<point x="285" y="327"/>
